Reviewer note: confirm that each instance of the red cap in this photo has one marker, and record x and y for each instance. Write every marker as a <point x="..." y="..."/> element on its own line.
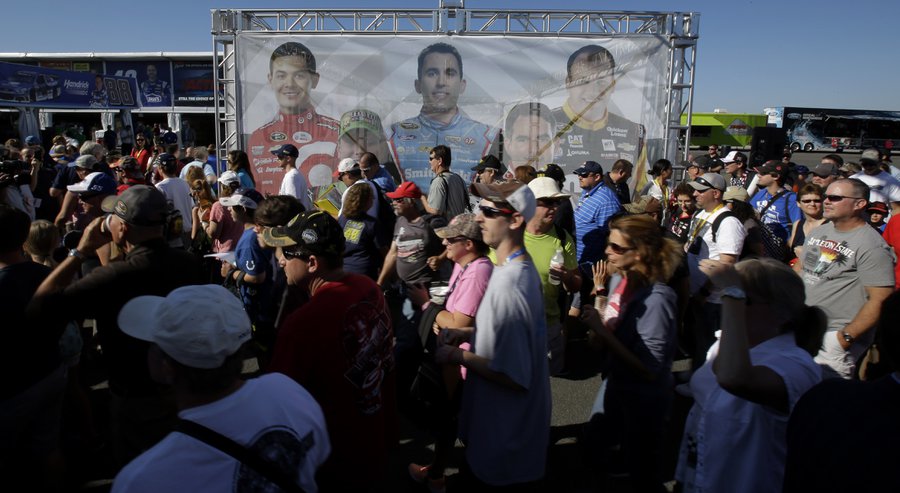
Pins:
<point x="406" y="190"/>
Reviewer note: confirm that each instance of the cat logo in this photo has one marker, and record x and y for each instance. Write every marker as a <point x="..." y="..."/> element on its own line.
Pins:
<point x="575" y="140"/>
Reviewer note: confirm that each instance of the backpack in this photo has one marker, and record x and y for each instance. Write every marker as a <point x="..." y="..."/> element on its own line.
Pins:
<point x="775" y="246"/>
<point x="386" y="217"/>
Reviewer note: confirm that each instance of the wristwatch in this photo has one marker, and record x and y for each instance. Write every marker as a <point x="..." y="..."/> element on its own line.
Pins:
<point x="73" y="252"/>
<point x="734" y="292"/>
<point x="847" y="337"/>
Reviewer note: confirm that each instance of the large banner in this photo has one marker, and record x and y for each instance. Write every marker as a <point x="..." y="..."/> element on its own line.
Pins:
<point x="528" y="100"/>
<point x="29" y="85"/>
<point x="154" y="79"/>
<point x="193" y="83"/>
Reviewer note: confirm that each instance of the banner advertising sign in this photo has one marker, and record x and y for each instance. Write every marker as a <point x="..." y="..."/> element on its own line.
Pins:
<point x="27" y="85"/>
<point x="193" y="83"/>
<point x="565" y="101"/>
<point x="154" y="80"/>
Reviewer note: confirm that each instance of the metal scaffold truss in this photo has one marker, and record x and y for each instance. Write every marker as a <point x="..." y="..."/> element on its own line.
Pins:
<point x="681" y="29"/>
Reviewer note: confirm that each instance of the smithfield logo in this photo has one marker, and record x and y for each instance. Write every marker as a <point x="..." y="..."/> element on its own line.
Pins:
<point x="277" y="136"/>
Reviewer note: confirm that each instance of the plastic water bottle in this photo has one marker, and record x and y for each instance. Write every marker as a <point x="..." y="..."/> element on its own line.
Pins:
<point x="556" y="262"/>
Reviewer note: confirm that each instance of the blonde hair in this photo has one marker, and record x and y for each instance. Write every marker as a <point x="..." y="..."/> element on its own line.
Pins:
<point x="357" y="202"/>
<point x="659" y="255"/>
<point x="43" y="239"/>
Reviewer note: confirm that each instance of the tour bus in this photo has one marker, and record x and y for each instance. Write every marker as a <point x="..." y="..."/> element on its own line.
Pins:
<point x="826" y="129"/>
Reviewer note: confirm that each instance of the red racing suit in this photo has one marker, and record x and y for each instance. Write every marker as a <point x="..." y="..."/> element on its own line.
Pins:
<point x="314" y="135"/>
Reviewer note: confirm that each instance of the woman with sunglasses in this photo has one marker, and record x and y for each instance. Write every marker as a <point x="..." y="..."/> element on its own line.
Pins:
<point x="636" y="326"/>
<point x="735" y="435"/>
<point x="471" y="273"/>
<point x="810" y="199"/>
<point x="141" y="152"/>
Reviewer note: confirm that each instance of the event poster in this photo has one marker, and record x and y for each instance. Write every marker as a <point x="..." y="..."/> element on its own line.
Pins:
<point x="563" y="102"/>
<point x="154" y="79"/>
<point x="29" y="85"/>
<point x="193" y="83"/>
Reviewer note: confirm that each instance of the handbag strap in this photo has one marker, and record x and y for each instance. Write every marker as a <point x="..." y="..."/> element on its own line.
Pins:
<point x="242" y="454"/>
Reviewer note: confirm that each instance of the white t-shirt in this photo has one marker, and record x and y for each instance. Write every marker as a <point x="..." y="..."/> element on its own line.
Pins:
<point x="729" y="240"/>
<point x="272" y="415"/>
<point x="883" y="187"/>
<point x="294" y="184"/>
<point x="179" y="193"/>
<point x="734" y="445"/>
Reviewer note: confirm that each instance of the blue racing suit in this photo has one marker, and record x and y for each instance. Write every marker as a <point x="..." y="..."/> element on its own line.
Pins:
<point x="156" y="93"/>
<point x="412" y="139"/>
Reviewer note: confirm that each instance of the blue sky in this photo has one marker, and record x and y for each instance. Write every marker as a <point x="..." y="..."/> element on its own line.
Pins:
<point x="752" y="54"/>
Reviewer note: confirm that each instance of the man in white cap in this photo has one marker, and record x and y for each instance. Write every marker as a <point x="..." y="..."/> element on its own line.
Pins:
<point x="882" y="186"/>
<point x="714" y="234"/>
<point x="505" y="416"/>
<point x="196" y="334"/>
<point x="543" y="239"/>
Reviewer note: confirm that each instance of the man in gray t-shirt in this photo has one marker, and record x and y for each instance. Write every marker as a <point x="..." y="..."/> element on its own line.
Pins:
<point x="447" y="195"/>
<point x="848" y="271"/>
<point x="505" y="415"/>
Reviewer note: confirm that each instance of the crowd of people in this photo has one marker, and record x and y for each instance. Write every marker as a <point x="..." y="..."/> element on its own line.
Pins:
<point x="452" y="309"/>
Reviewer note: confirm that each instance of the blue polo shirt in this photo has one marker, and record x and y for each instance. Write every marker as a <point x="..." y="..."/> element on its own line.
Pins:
<point x="254" y="259"/>
<point x="592" y="214"/>
<point x="779" y="216"/>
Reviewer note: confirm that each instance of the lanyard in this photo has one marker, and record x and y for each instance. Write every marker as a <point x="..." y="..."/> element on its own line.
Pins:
<point x="702" y="222"/>
<point x="456" y="281"/>
<point x="513" y="255"/>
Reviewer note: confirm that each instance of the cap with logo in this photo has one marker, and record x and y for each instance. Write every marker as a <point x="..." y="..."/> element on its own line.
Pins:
<point x="140" y="205"/>
<point x="462" y="225"/>
<point x="346" y="165"/>
<point x="197" y="326"/>
<point x="285" y="150"/>
<point x="772" y="166"/>
<point x="708" y="180"/>
<point x="516" y="194"/>
<point x="313" y="233"/>
<point x="406" y="190"/>
<point x="589" y="167"/>
<point x="364" y="119"/>
<point x="878" y="207"/>
<point x="247" y="198"/>
<point x="96" y="183"/>
<point x="229" y="177"/>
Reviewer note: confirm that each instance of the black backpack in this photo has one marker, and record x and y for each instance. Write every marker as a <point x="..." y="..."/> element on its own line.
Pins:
<point x="775" y="246"/>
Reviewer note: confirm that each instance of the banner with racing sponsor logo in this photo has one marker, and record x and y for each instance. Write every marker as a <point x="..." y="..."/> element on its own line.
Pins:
<point x="30" y="85"/>
<point x="192" y="83"/>
<point x="154" y="80"/>
<point x="523" y="99"/>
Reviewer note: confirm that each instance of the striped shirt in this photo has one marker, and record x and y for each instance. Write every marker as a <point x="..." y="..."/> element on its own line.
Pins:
<point x="592" y="215"/>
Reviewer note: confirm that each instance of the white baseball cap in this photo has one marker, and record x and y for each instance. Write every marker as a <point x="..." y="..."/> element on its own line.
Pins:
<point x="545" y="187"/>
<point x="197" y="326"/>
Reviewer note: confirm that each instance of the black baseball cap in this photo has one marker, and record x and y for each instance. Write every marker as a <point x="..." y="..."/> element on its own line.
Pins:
<point x="313" y="232"/>
<point x="486" y="162"/>
<point x="589" y="167"/>
<point x="286" y="150"/>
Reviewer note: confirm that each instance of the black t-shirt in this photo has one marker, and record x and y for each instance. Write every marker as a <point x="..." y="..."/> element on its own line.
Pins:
<point x="152" y="268"/>
<point x="29" y="351"/>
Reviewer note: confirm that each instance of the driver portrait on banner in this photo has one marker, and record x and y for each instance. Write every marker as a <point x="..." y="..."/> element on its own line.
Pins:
<point x="99" y="97"/>
<point x="155" y="91"/>
<point x="528" y="138"/>
<point x="292" y="76"/>
<point x="440" y="81"/>
<point x="585" y="127"/>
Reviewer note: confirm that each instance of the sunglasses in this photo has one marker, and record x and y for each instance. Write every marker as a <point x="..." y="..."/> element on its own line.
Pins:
<point x="618" y="249"/>
<point x="456" y="239"/>
<point x="838" y="198"/>
<point x="548" y="203"/>
<point x="702" y="181"/>
<point x="291" y="254"/>
<point x="811" y="201"/>
<point x="492" y="212"/>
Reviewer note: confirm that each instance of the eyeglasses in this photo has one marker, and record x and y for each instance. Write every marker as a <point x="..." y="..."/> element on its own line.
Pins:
<point x="811" y="201"/>
<point x="291" y="254"/>
<point x="432" y="158"/>
<point x="838" y="198"/>
<point x="618" y="249"/>
<point x="492" y="212"/>
<point x="399" y="201"/>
